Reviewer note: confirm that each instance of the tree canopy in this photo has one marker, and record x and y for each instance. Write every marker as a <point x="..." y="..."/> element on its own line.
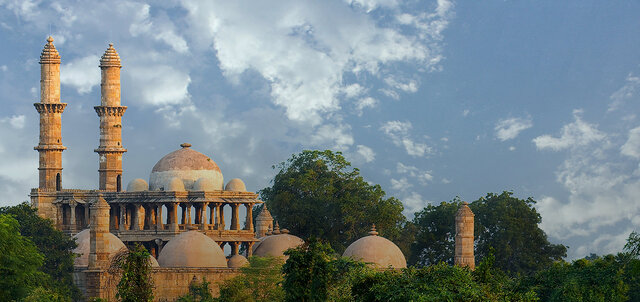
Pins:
<point x="505" y="223"/>
<point x="56" y="247"/>
<point x="318" y="193"/>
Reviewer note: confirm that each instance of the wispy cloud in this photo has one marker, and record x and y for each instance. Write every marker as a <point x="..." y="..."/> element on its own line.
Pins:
<point x="398" y="132"/>
<point x="510" y="128"/>
<point x="573" y="135"/>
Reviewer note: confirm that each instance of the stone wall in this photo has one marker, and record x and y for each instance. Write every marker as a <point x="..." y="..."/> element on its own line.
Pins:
<point x="169" y="283"/>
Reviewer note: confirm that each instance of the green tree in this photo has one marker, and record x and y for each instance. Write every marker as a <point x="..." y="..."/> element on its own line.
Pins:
<point x="317" y="193"/>
<point x="19" y="261"/>
<point x="198" y="292"/>
<point x="259" y="281"/>
<point x="507" y="224"/>
<point x="56" y="247"/>
<point x="135" y="283"/>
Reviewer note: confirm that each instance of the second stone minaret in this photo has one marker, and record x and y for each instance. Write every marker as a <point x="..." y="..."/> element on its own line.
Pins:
<point x="464" y="255"/>
<point x="110" y="112"/>
<point x="50" y="109"/>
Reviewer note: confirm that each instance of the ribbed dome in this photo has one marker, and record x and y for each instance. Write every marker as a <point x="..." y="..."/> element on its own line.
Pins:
<point x="114" y="246"/>
<point x="276" y="245"/>
<point x="110" y="58"/>
<point x="237" y="261"/>
<point x="187" y="165"/>
<point x="192" y="249"/>
<point x="236" y="184"/>
<point x="137" y="185"/>
<point x="49" y="54"/>
<point x="376" y="250"/>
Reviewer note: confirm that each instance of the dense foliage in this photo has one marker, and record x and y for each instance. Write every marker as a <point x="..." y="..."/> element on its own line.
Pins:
<point x="54" y="245"/>
<point x="19" y="261"/>
<point x="198" y="292"/>
<point x="136" y="284"/>
<point x="508" y="225"/>
<point x="259" y="281"/>
<point x="317" y="193"/>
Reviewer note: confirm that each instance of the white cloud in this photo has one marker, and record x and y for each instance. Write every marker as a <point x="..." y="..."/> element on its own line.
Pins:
<point x="401" y="184"/>
<point x="424" y="177"/>
<point x="4" y="68"/>
<point x="16" y="121"/>
<point x="303" y="49"/>
<point x="367" y="153"/>
<point x="398" y="132"/>
<point x="632" y="146"/>
<point x="405" y="86"/>
<point x="363" y="103"/>
<point x="573" y="135"/>
<point x="82" y="73"/>
<point x="413" y="202"/>
<point x="510" y="128"/>
<point x="339" y="135"/>
<point x="512" y="148"/>
<point x="624" y="93"/>
<point x="159" y="85"/>
<point x="466" y="112"/>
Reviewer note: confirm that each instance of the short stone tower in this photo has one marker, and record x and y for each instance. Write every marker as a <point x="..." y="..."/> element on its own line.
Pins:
<point x="464" y="237"/>
<point x="50" y="109"/>
<point x="110" y="112"/>
<point x="264" y="222"/>
<point x="98" y="250"/>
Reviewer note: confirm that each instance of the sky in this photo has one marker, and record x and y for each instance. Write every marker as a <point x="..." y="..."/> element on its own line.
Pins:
<point x="429" y="99"/>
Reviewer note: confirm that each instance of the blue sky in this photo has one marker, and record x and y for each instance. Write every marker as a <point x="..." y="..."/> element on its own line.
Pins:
<point x="431" y="100"/>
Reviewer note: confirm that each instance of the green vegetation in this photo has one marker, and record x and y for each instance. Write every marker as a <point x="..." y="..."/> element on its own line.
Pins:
<point x="259" y="281"/>
<point x="55" y="273"/>
<point x="135" y="283"/>
<point x="506" y="225"/>
<point x="323" y="186"/>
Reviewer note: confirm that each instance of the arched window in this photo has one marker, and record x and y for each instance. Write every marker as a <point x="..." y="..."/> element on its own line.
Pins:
<point x="58" y="182"/>
<point x="119" y="183"/>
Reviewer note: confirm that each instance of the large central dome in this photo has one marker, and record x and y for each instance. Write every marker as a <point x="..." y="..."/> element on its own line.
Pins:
<point x="188" y="166"/>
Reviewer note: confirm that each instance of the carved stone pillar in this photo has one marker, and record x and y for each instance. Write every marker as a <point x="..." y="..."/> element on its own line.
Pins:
<point x="216" y="223"/>
<point x="159" y="225"/>
<point x="123" y="216"/>
<point x="86" y="215"/>
<point x="59" y="216"/>
<point x="203" y="215"/>
<point x="136" y="218"/>
<point x="250" y="248"/>
<point x="174" y="217"/>
<point x="72" y="222"/>
<point x="188" y="223"/>
<point x="234" y="248"/>
<point x="221" y="223"/>
<point x="249" y="221"/>
<point x="235" y="219"/>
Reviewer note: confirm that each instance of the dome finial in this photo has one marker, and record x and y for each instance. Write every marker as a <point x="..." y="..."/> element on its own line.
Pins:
<point x="110" y="45"/>
<point x="276" y="229"/>
<point x="373" y="231"/>
<point x="185" y="145"/>
<point x="50" y="39"/>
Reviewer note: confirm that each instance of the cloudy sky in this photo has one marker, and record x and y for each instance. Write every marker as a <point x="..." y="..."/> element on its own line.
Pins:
<point x="431" y="100"/>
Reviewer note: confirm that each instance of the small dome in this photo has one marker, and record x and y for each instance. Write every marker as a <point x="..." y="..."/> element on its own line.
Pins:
<point x="192" y="249"/>
<point x="275" y="245"/>
<point x="174" y="184"/>
<point x="236" y="184"/>
<point x="187" y="165"/>
<point x="376" y="250"/>
<point x="137" y="185"/>
<point x="154" y="262"/>
<point x="237" y="261"/>
<point x="203" y="184"/>
<point x="114" y="246"/>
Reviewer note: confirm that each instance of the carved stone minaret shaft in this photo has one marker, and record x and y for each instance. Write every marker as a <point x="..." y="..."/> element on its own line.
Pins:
<point x="50" y="109"/>
<point x="98" y="231"/>
<point x="464" y="237"/>
<point x="110" y="112"/>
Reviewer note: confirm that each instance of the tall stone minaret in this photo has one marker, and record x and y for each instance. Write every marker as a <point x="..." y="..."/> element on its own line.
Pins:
<point x="50" y="146"/>
<point x="464" y="237"/>
<point x="110" y="113"/>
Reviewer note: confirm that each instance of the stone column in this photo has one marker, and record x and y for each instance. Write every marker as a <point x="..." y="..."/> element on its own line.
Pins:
<point x="203" y="215"/>
<point x="98" y="251"/>
<point x="234" y="248"/>
<point x="174" y="217"/>
<point x="184" y="214"/>
<point x="72" y="222"/>
<point x="136" y="217"/>
<point x="198" y="214"/>
<point x="86" y="215"/>
<point x="123" y="217"/>
<point x="464" y="237"/>
<point x="235" y="219"/>
<point x="249" y="221"/>
<point x="159" y="225"/>
<point x="250" y="248"/>
<point x="221" y="217"/>
<point x="217" y="219"/>
<point x="60" y="216"/>
<point x="188" y="207"/>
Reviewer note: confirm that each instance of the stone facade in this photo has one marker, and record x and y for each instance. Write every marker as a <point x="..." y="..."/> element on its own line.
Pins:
<point x="464" y="255"/>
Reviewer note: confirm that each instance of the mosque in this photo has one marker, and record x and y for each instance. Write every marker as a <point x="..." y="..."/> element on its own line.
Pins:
<point x="178" y="215"/>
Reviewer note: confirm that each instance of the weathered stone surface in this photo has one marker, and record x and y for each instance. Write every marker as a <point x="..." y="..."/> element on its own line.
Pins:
<point x="378" y="251"/>
<point x="464" y="245"/>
